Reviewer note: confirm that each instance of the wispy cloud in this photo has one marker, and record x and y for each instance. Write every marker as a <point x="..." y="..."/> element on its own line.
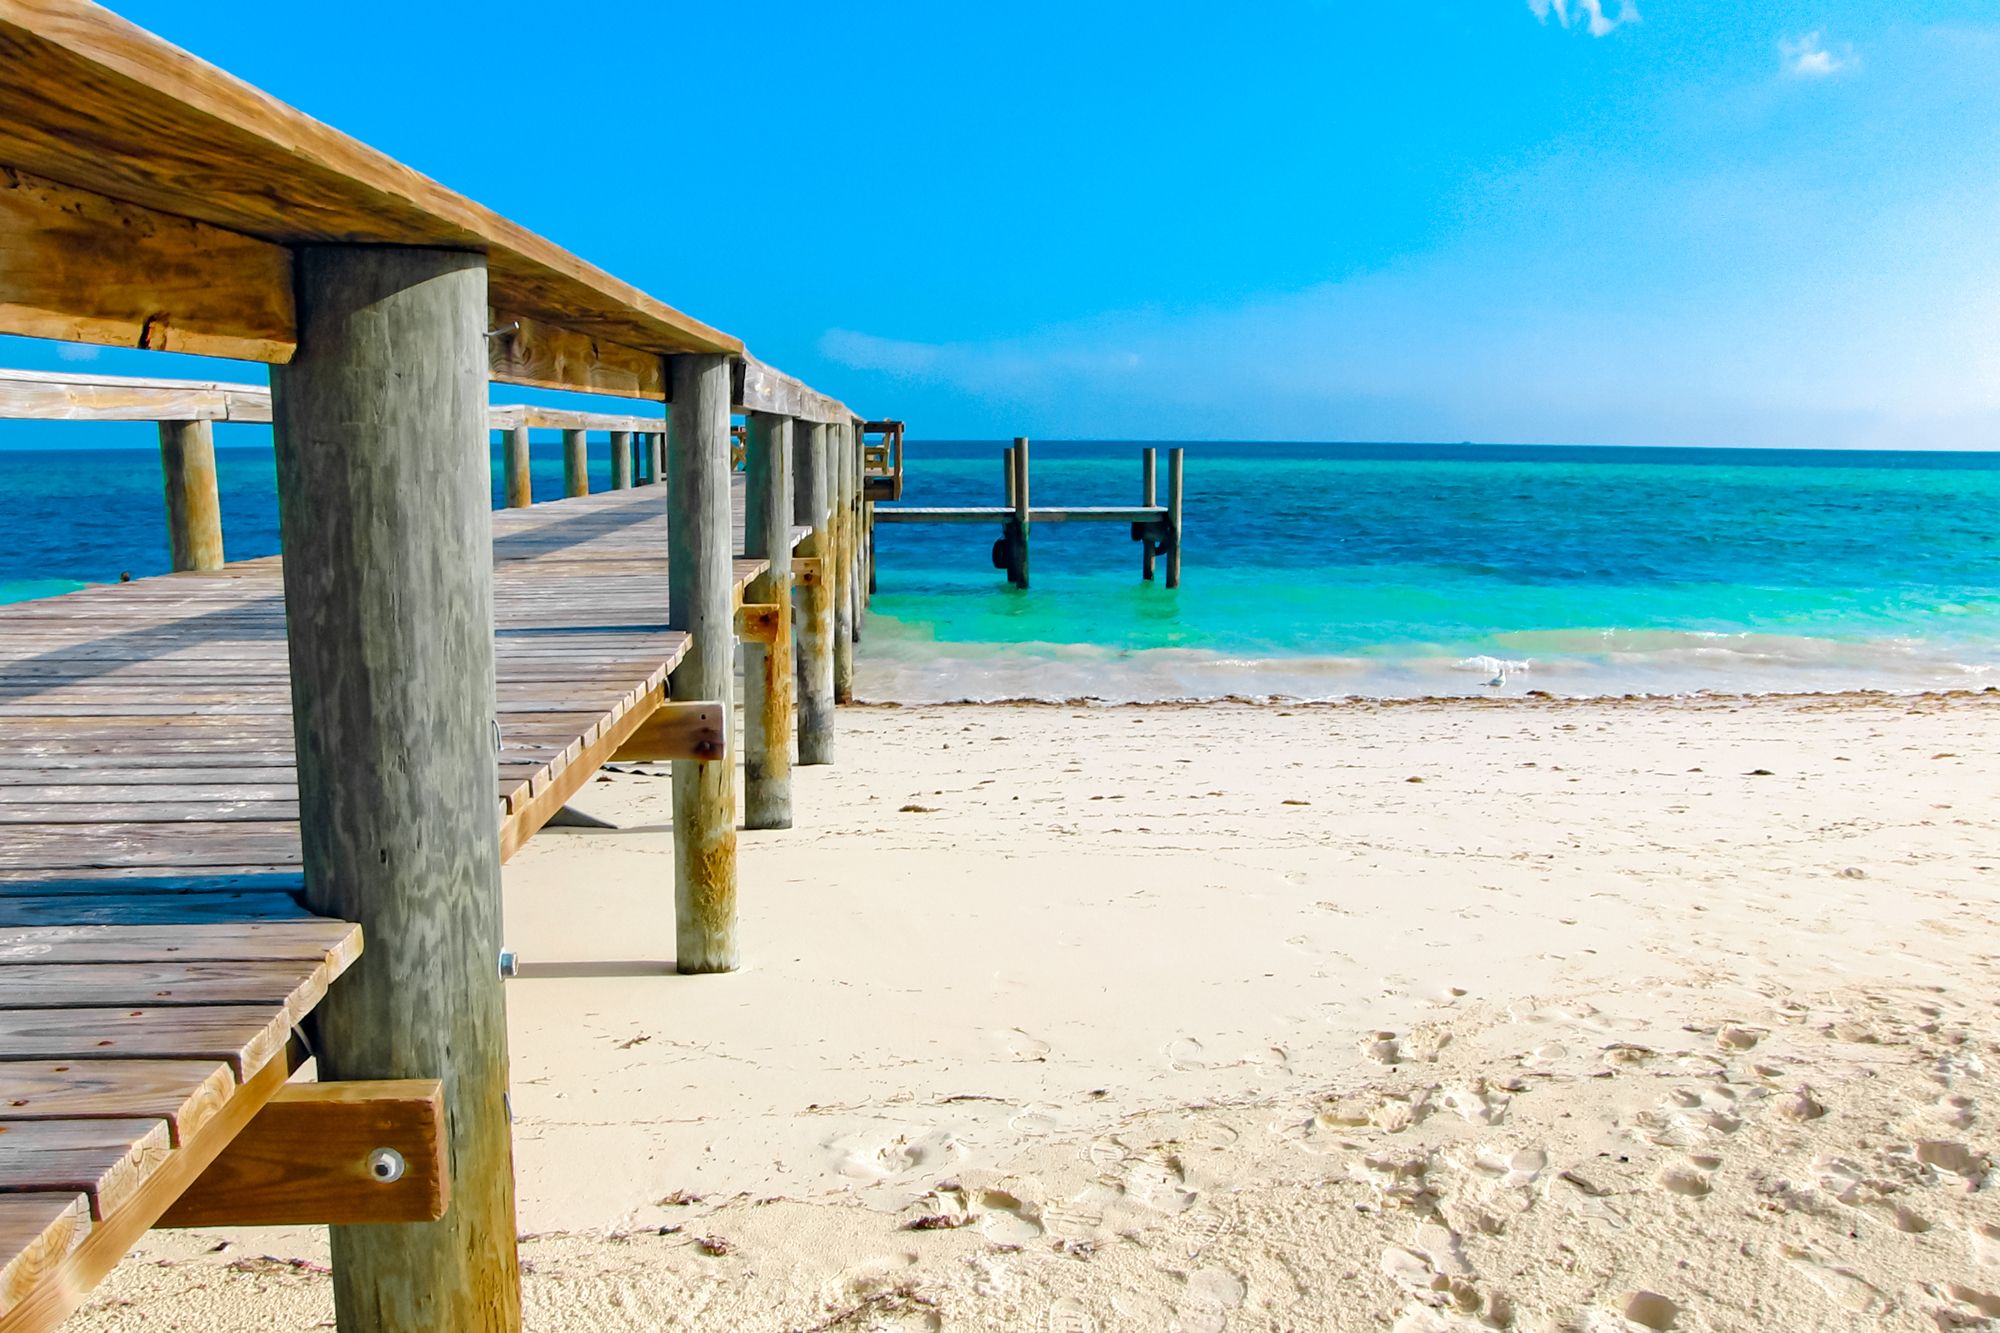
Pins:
<point x="1808" y="57"/>
<point x="77" y="352"/>
<point x="1590" y="13"/>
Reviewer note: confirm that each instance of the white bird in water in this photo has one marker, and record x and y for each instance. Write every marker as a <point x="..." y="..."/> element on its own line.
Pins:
<point x="1499" y="678"/>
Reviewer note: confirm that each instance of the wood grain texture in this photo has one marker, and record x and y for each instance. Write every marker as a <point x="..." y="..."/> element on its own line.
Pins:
<point x="767" y="654"/>
<point x="105" y="1160"/>
<point x="78" y="266"/>
<point x="40" y="395"/>
<point x="380" y="428"/>
<point x="576" y="464"/>
<point x="101" y="104"/>
<point x="813" y="597"/>
<point x="841" y="455"/>
<point x="520" y="477"/>
<point x="690" y="729"/>
<point x="1174" y="484"/>
<point x="194" y="506"/>
<point x="546" y="355"/>
<point x="756" y="387"/>
<point x="305" y="1158"/>
<point x="621" y="460"/>
<point x="700" y="598"/>
<point x="38" y="1235"/>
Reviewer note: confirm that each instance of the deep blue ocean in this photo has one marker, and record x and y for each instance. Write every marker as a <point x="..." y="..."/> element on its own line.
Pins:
<point x="1322" y="570"/>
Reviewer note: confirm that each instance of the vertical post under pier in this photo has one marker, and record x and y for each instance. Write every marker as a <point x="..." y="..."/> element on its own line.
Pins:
<point x="1174" y="517"/>
<point x="857" y="509"/>
<point x="576" y="463"/>
<point x="1149" y="492"/>
<point x="767" y="668"/>
<point x="384" y="489"/>
<point x="811" y="508"/>
<point x="1017" y="534"/>
<point x="520" y="479"/>
<point x="700" y="593"/>
<point x="642" y="449"/>
<point x="655" y="445"/>
<point x="621" y="460"/>
<point x="841" y="569"/>
<point x="194" y="507"/>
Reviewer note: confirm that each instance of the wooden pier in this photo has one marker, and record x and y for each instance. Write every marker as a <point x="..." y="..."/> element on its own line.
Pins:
<point x="254" y="799"/>
<point x="1155" y="525"/>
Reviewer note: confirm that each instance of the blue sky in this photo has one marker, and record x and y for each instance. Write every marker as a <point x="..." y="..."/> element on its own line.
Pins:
<point x="1661" y="222"/>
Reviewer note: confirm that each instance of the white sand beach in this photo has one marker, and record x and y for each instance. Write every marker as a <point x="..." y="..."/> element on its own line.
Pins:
<point x="1533" y="1014"/>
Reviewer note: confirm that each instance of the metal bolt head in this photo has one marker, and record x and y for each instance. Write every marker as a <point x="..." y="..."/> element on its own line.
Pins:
<point x="386" y="1166"/>
<point x="509" y="964"/>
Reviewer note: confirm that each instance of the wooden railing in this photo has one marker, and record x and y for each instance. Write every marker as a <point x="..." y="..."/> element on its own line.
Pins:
<point x="151" y="200"/>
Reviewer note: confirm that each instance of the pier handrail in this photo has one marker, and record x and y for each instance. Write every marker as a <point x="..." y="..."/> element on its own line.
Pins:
<point x="148" y="199"/>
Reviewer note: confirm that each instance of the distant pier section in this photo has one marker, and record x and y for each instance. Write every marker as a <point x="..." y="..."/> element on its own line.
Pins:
<point x="1156" y="526"/>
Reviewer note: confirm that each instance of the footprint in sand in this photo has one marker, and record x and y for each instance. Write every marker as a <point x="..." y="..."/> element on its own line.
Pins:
<point x="1187" y="1055"/>
<point x="1021" y="1046"/>
<point x="1846" y="1289"/>
<point x="1157" y="1179"/>
<point x="1073" y="1220"/>
<point x="1004" y="1219"/>
<point x="1036" y="1118"/>
<point x="1202" y="1230"/>
<point x="1953" y="1159"/>
<point x="1688" y="1181"/>
<point x="1985" y="1242"/>
<point x="910" y="1150"/>
<point x="1068" y="1315"/>
<point x="1211" y="1294"/>
<point x="1475" y="1103"/>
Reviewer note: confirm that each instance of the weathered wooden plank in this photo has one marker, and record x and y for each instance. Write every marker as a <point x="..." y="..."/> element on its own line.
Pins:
<point x="756" y="387"/>
<point x="241" y="1036"/>
<point x="157" y="984"/>
<point x="184" y="1093"/>
<point x="312" y="941"/>
<point x="312" y="1155"/>
<point x="542" y="353"/>
<point x="104" y="1160"/>
<point x="79" y="266"/>
<point x="41" y="395"/>
<point x="38" y="1234"/>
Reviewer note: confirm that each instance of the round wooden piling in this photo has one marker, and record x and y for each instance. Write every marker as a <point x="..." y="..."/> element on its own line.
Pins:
<point x="767" y="668"/>
<point x="655" y="445"/>
<point x="1174" y="518"/>
<point x="1149" y="491"/>
<point x="576" y="463"/>
<point x="700" y="594"/>
<point x="194" y="509"/>
<point x="621" y="460"/>
<point x="642" y="460"/>
<point x="384" y="490"/>
<point x="841" y="571"/>
<point x="810" y="508"/>
<point x="857" y="529"/>
<point x="520" y="480"/>
<point x="1018" y="533"/>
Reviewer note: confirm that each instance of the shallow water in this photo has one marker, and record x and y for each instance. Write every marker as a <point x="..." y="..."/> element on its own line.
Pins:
<point x="1320" y="570"/>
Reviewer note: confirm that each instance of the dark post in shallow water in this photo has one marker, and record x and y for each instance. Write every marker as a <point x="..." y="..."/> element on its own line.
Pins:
<point x="1149" y="493"/>
<point x="811" y="509"/>
<point x="1017" y="531"/>
<point x="384" y="489"/>
<point x="194" y="508"/>
<point x="520" y="480"/>
<point x="621" y="460"/>
<point x="1174" y="517"/>
<point x="841" y="467"/>
<point x="576" y="463"/>
<point x="767" y="665"/>
<point x="700" y="591"/>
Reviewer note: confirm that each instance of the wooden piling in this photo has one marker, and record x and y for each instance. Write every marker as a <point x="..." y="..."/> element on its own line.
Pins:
<point x="194" y="508"/>
<point x="700" y="595"/>
<point x="1149" y="490"/>
<point x="841" y="571"/>
<point x="384" y="497"/>
<point x="621" y="460"/>
<point x="857" y="527"/>
<point x="1174" y="518"/>
<point x="815" y="621"/>
<point x="654" y="444"/>
<point x="768" y="668"/>
<point x="576" y="463"/>
<point x="520" y="479"/>
<point x="1017" y="532"/>
<point x="642" y="449"/>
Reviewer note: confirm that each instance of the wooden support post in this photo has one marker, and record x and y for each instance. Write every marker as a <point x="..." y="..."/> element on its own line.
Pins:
<point x="840" y="437"/>
<point x="642" y="448"/>
<point x="1174" y="518"/>
<point x="520" y="478"/>
<point x="1018" y="533"/>
<point x="194" y="509"/>
<point x="576" y="463"/>
<point x="700" y="600"/>
<point x="767" y="668"/>
<point x="1007" y="472"/>
<point x="659" y="447"/>
<point x="857" y="529"/>
<point x="621" y="460"/>
<point x="384" y="492"/>
<point x="1149" y="490"/>
<point x="810" y="508"/>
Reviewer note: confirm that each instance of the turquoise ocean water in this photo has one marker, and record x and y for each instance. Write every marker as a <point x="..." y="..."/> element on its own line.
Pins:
<point x="1325" y="570"/>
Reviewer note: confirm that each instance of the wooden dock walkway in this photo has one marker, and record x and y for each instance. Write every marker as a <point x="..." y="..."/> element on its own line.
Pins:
<point x="208" y="776"/>
<point x="154" y="954"/>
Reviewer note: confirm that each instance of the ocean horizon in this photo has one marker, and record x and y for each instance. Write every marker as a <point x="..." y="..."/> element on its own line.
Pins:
<point x="1317" y="571"/>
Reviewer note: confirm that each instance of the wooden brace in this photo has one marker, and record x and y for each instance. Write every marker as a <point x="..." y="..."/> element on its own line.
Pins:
<point x="697" y="729"/>
<point x="758" y="622"/>
<point x="328" y="1153"/>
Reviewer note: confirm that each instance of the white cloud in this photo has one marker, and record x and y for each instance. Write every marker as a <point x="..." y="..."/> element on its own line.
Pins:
<point x="1807" y="57"/>
<point x="1590" y="13"/>
<point x="77" y="352"/>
